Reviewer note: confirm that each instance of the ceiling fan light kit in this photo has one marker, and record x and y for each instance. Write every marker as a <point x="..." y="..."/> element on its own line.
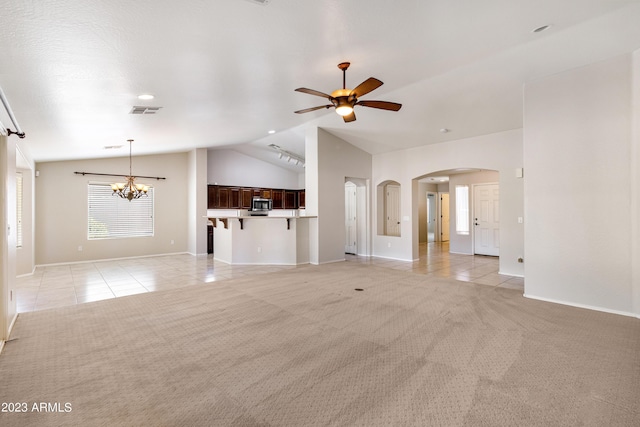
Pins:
<point x="344" y="100"/>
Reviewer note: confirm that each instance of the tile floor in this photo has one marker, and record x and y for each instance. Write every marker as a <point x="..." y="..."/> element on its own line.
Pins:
<point x="64" y="285"/>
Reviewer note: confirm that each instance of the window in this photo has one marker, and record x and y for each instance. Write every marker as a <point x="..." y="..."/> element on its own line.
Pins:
<point x="462" y="209"/>
<point x="111" y="217"/>
<point x="19" y="196"/>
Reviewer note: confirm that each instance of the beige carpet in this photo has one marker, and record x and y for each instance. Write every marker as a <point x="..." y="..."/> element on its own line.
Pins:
<point x="303" y="348"/>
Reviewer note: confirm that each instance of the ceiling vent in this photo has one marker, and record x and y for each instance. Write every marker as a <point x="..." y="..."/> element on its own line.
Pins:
<point x="262" y="2"/>
<point x="144" y="110"/>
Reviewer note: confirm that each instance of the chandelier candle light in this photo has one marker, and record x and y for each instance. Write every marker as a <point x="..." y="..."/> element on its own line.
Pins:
<point x="129" y="190"/>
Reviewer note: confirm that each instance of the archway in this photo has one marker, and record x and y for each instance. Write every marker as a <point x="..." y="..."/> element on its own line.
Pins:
<point x="458" y="185"/>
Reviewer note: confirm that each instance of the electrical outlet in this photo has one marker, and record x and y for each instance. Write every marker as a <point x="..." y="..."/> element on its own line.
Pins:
<point x="79" y="248"/>
<point x="172" y="241"/>
<point x="259" y="249"/>
<point x="389" y="244"/>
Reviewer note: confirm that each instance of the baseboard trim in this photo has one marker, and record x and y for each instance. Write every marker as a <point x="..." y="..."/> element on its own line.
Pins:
<point x="511" y="274"/>
<point x="13" y="322"/>
<point x="392" y="258"/>
<point x="110" y="259"/>
<point x="460" y="253"/>
<point x="585" y="306"/>
<point x="3" y="342"/>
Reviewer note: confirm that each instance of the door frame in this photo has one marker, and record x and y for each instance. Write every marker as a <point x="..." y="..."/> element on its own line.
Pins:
<point x="351" y="205"/>
<point x="436" y="227"/>
<point x="363" y="215"/>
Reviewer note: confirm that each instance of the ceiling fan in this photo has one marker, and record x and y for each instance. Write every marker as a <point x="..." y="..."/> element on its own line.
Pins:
<point x="343" y="100"/>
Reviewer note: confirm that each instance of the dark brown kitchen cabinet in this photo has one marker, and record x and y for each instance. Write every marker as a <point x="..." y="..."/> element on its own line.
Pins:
<point x="278" y="199"/>
<point x="265" y="193"/>
<point x="223" y="198"/>
<point x="246" y="195"/>
<point x="228" y="197"/>
<point x="234" y="198"/>
<point x="212" y="197"/>
<point x="290" y="199"/>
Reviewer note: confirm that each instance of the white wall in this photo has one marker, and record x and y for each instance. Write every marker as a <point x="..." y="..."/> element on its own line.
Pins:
<point x="61" y="213"/>
<point x="197" y="205"/>
<point x="330" y="160"/>
<point x="25" y="260"/>
<point x="229" y="167"/>
<point x="578" y="223"/>
<point x="501" y="152"/>
<point x="25" y="255"/>
<point x="635" y="185"/>
<point x="7" y="236"/>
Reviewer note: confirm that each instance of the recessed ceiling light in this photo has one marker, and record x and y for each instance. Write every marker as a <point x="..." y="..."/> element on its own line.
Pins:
<point x="541" y="29"/>
<point x="145" y="97"/>
<point x="271" y="132"/>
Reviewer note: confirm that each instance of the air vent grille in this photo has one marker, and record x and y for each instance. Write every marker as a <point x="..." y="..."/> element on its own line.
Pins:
<point x="144" y="110"/>
<point x="262" y="2"/>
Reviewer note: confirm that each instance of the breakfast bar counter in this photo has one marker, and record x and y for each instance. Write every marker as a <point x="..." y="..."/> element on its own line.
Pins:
<point x="280" y="238"/>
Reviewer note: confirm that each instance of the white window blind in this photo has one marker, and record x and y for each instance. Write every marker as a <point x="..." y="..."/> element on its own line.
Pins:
<point x="462" y="209"/>
<point x="111" y="217"/>
<point x="19" y="196"/>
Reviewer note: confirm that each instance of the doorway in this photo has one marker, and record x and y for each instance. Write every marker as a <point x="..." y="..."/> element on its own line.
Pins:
<point x="357" y="216"/>
<point x="350" y="218"/>
<point x="432" y="217"/>
<point x="486" y="215"/>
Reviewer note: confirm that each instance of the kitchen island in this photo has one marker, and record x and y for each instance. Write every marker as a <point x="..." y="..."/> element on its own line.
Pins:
<point x="280" y="238"/>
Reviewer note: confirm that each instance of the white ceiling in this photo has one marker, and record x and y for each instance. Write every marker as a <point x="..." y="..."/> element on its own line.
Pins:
<point x="224" y="71"/>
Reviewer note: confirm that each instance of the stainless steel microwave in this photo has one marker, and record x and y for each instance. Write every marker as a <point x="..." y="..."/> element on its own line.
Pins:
<point x="260" y="206"/>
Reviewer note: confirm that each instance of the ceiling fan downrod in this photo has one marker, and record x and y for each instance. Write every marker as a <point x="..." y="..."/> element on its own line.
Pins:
<point x="344" y="66"/>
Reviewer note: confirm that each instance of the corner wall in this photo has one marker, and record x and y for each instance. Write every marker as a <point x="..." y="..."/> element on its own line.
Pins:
<point x="330" y="160"/>
<point x="579" y="187"/>
<point x="635" y="185"/>
<point x="197" y="189"/>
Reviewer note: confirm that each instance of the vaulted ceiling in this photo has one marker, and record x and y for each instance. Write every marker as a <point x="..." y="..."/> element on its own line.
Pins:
<point x="224" y="71"/>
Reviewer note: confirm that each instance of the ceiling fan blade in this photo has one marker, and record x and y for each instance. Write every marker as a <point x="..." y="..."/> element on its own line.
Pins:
<point x="306" y="110"/>
<point x="382" y="105"/>
<point x="366" y="86"/>
<point x="350" y="117"/>
<point x="313" y="92"/>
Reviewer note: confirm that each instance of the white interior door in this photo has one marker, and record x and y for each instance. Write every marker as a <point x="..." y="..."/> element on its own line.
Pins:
<point x="486" y="222"/>
<point x="392" y="207"/>
<point x="350" y="219"/>
<point x="444" y="217"/>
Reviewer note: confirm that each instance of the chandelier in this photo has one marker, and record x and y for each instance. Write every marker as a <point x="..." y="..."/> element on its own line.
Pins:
<point x="129" y="190"/>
